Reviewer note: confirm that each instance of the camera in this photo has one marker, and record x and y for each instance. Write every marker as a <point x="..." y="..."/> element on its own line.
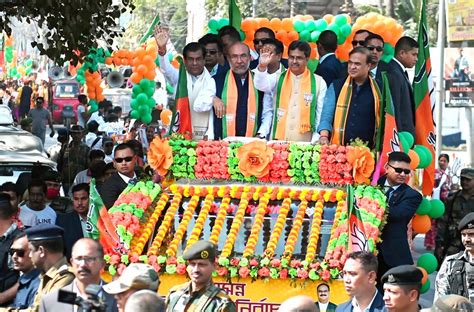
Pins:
<point x="92" y="303"/>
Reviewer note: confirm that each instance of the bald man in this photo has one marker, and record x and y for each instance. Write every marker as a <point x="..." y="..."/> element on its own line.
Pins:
<point x="298" y="304"/>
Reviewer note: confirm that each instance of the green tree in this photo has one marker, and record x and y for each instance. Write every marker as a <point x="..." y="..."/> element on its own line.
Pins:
<point x="69" y="26"/>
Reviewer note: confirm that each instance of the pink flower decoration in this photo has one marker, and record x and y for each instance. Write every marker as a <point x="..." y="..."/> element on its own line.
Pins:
<point x="264" y="272"/>
<point x="181" y="269"/>
<point x="244" y="272"/>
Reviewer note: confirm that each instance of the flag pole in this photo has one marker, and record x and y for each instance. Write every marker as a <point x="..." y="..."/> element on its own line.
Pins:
<point x="440" y="91"/>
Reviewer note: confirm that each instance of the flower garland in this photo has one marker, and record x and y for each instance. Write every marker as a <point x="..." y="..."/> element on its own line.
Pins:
<point x="234" y="229"/>
<point x="295" y="230"/>
<point x="278" y="228"/>
<point x="183" y="225"/>
<point x="199" y="225"/>
<point x="304" y="163"/>
<point x="315" y="231"/>
<point x="184" y="158"/>
<point x="257" y="225"/>
<point x="220" y="219"/>
<point x="212" y="160"/>
<point x="165" y="224"/>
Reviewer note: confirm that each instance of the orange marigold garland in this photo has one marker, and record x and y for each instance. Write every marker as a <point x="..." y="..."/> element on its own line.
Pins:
<point x="257" y="225"/>
<point x="199" y="225"/>
<point x="220" y="219"/>
<point x="278" y="228"/>
<point x="315" y="230"/>
<point x="295" y="230"/>
<point x="165" y="224"/>
<point x="234" y="229"/>
<point x="183" y="225"/>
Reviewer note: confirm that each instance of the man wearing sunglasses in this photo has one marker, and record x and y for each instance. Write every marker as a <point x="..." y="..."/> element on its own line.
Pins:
<point x="198" y="81"/>
<point x="263" y="36"/>
<point x="124" y="161"/>
<point x="375" y="43"/>
<point x="29" y="280"/>
<point x="214" y="57"/>
<point x="402" y="203"/>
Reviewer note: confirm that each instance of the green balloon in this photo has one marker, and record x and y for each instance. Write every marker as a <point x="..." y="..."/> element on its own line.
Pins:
<point x="151" y="103"/>
<point x="335" y="29"/>
<point x="388" y="52"/>
<point x="28" y="71"/>
<point x="437" y="209"/>
<point x="136" y="90"/>
<point x="213" y="24"/>
<point x="404" y="142"/>
<point x="150" y="91"/>
<point x="298" y="26"/>
<point x="305" y="35"/>
<point x="341" y="39"/>
<point x="144" y="110"/>
<point x="213" y="31"/>
<point x="134" y="114"/>
<point x="141" y="99"/>
<point x="223" y="22"/>
<point x="425" y="156"/>
<point x="29" y="62"/>
<point x="93" y="108"/>
<point x="321" y="25"/>
<point x="345" y="30"/>
<point x="428" y="262"/>
<point x="312" y="65"/>
<point x="424" y="208"/>
<point x="310" y="25"/>
<point x="340" y="19"/>
<point x="426" y="286"/>
<point x="315" y="35"/>
<point x="134" y="104"/>
<point x="146" y="119"/>
<point x="144" y="84"/>
<point x="408" y="137"/>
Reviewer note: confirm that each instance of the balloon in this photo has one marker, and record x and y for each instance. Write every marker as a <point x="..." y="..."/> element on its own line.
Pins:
<point x="141" y="99"/>
<point x="315" y="35"/>
<point x="213" y="24"/>
<point x="335" y="29"/>
<point x="345" y="30"/>
<point x="94" y="107"/>
<point x="134" y="114"/>
<point x="340" y="20"/>
<point x="305" y="35"/>
<point x="388" y="52"/>
<point x="408" y="136"/>
<point x="425" y="287"/>
<point x="299" y="26"/>
<point x="144" y="110"/>
<point x="136" y="90"/>
<point x="135" y="78"/>
<point x="425" y="275"/>
<point x="425" y="155"/>
<point x="287" y="24"/>
<point x="292" y="36"/>
<point x="165" y="116"/>
<point x="151" y="103"/>
<point x="341" y="39"/>
<point x="263" y="22"/>
<point x="421" y="224"/>
<point x="415" y="159"/>
<point x="146" y="119"/>
<point x="145" y="84"/>
<point x="247" y="25"/>
<point x="313" y="64"/>
<point x="428" y="262"/>
<point x="275" y="24"/>
<point x="321" y="25"/>
<point x="404" y="142"/>
<point x="328" y="18"/>
<point x="437" y="209"/>
<point x="310" y="25"/>
<point x="134" y="104"/>
<point x="424" y="207"/>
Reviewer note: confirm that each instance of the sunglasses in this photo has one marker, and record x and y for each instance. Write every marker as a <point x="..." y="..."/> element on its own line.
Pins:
<point x="211" y="52"/>
<point x="400" y="170"/>
<point x="371" y="48"/>
<point x="121" y="160"/>
<point x="358" y="42"/>
<point x="260" y="41"/>
<point x="19" y="252"/>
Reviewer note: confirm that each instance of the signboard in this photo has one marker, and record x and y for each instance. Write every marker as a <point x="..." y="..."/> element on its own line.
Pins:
<point x="260" y="295"/>
<point x="459" y="77"/>
<point x="460" y="20"/>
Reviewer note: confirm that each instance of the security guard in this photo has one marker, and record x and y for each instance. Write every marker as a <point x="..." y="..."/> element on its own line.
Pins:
<point x="200" y="294"/>
<point x="456" y="275"/>
<point x="47" y="254"/>
<point x="401" y="287"/>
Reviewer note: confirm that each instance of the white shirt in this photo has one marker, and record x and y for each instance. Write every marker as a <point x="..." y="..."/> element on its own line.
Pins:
<point x="322" y="60"/>
<point x="125" y="178"/>
<point x="90" y="139"/>
<point x="323" y="306"/>
<point x="95" y="116"/>
<point x="356" y="307"/>
<point x="47" y="215"/>
<point x="82" y="177"/>
<point x="27" y="217"/>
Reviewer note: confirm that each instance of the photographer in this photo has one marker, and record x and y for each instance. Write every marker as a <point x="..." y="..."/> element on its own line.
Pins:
<point x="87" y="262"/>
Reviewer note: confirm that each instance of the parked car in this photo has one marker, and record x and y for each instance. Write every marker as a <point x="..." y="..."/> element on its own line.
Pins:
<point x="64" y="100"/>
<point x="20" y="152"/>
<point x="6" y="117"/>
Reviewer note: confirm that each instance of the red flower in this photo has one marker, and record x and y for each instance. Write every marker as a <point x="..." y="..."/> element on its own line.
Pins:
<point x="253" y="262"/>
<point x="134" y="258"/>
<point x="181" y="269"/>
<point x="284" y="274"/>
<point x="171" y="260"/>
<point x="302" y="273"/>
<point x="325" y="275"/>
<point x="234" y="262"/>
<point x="222" y="271"/>
<point x="264" y="272"/>
<point x="295" y="263"/>
<point x="152" y="259"/>
<point x="314" y="265"/>
<point x="114" y="259"/>
<point x="244" y="272"/>
<point x="276" y="263"/>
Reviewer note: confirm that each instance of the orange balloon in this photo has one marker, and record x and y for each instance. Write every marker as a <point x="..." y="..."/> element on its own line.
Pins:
<point x="165" y="116"/>
<point x="108" y="61"/>
<point x="425" y="275"/>
<point x="292" y="36"/>
<point x="135" y="77"/>
<point x="264" y="22"/>
<point x="281" y="35"/>
<point x="91" y="94"/>
<point x="275" y="24"/>
<point x="124" y="61"/>
<point x="150" y="75"/>
<point x="379" y="26"/>
<point x="151" y="49"/>
<point x="287" y="24"/>
<point x="328" y="18"/>
<point x="421" y="224"/>
<point x="249" y="36"/>
<point x="140" y="52"/>
<point x="313" y="50"/>
<point x="308" y="17"/>
<point x="142" y="69"/>
<point x="246" y="25"/>
<point x="96" y="83"/>
<point x="415" y="159"/>
<point x="349" y="19"/>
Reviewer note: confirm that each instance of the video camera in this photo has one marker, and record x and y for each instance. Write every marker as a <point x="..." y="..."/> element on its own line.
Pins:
<point x="92" y="303"/>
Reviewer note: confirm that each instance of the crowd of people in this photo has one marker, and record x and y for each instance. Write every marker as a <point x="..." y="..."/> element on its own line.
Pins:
<point x="43" y="216"/>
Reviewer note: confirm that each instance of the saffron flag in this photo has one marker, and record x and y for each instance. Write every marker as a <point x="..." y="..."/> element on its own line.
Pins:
<point x="181" y="119"/>
<point x="423" y="91"/>
<point x="387" y="137"/>
<point x="358" y="238"/>
<point x="235" y="18"/>
<point x="99" y="225"/>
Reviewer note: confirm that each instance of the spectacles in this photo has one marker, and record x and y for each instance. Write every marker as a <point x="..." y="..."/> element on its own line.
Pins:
<point x="358" y="42"/>
<point x="19" y="252"/>
<point x="236" y="57"/>
<point x="121" y="160"/>
<point x="211" y="52"/>
<point x="400" y="170"/>
<point x="261" y="41"/>
<point x="86" y="260"/>
<point x="371" y="48"/>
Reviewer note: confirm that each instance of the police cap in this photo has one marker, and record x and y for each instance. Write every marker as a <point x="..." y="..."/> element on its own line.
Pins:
<point x="467" y="173"/>
<point x="44" y="232"/>
<point x="467" y="222"/>
<point x="201" y="250"/>
<point x="403" y="275"/>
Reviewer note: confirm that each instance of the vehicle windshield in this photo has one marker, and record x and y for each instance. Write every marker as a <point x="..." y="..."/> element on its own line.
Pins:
<point x="69" y="90"/>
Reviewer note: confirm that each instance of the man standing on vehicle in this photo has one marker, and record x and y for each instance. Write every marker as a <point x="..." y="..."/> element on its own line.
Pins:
<point x="40" y="117"/>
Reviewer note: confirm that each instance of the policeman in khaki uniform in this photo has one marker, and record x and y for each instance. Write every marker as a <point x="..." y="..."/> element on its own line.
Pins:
<point x="200" y="294"/>
<point x="46" y="246"/>
<point x="456" y="275"/>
